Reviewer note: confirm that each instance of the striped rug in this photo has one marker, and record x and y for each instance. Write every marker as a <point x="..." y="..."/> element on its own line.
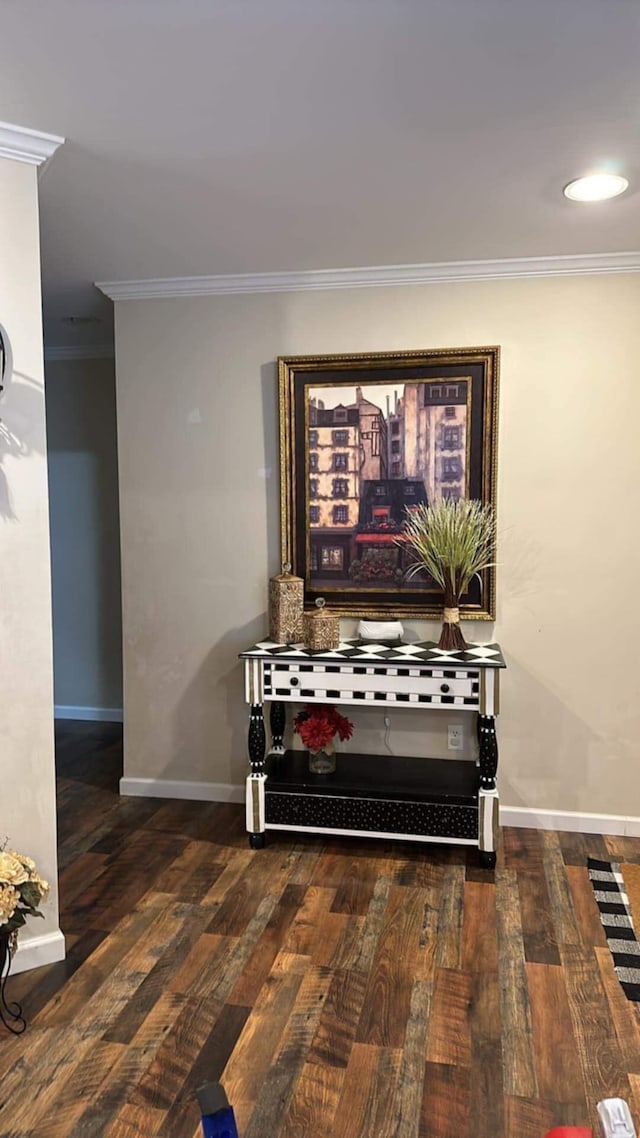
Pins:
<point x="615" y="901"/>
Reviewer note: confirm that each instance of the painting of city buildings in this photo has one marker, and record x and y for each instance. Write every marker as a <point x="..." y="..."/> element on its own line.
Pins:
<point x="374" y="452"/>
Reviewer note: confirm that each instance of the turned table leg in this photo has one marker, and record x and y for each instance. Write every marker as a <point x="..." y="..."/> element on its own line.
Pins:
<point x="277" y="722"/>
<point x="488" y="801"/>
<point x="256" y="778"/>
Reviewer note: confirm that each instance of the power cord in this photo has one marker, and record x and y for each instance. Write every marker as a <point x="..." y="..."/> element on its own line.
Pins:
<point x="387" y="733"/>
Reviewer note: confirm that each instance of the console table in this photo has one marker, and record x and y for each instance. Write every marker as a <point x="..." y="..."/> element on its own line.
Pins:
<point x="420" y="799"/>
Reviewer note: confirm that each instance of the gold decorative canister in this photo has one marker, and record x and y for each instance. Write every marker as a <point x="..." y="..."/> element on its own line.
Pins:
<point x="286" y="606"/>
<point x="321" y="628"/>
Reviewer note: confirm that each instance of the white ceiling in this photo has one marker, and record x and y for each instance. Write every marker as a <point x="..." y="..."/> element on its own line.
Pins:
<point x="231" y="136"/>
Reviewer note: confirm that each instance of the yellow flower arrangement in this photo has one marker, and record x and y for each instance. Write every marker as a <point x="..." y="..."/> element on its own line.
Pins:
<point x="9" y="898"/>
<point x="21" y="891"/>
<point x="12" y="871"/>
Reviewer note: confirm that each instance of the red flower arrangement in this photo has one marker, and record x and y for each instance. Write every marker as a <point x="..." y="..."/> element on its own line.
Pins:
<point x="318" y="724"/>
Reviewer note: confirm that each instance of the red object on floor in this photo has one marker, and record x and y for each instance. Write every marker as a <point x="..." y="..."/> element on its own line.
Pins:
<point x="570" y="1132"/>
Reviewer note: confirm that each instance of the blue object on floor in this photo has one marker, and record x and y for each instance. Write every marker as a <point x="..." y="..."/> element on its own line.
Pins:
<point x="218" y="1119"/>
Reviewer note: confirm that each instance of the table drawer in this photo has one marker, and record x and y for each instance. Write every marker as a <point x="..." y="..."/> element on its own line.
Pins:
<point x="393" y="817"/>
<point x="318" y="683"/>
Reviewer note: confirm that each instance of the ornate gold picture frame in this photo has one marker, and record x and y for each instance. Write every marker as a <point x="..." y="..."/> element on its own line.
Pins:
<point x="363" y="438"/>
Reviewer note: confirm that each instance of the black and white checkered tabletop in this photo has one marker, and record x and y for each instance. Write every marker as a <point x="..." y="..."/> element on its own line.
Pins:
<point x="427" y="652"/>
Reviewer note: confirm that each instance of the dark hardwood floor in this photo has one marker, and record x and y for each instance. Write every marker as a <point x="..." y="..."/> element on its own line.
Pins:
<point x="337" y="988"/>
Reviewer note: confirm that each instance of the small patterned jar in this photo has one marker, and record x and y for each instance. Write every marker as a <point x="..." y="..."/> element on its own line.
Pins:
<point x="321" y="628"/>
<point x="286" y="606"/>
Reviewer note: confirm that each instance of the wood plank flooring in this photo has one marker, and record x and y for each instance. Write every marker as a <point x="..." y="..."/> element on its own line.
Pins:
<point x="337" y="988"/>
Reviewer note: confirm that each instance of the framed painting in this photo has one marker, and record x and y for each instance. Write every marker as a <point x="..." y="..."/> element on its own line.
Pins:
<point x="363" y="440"/>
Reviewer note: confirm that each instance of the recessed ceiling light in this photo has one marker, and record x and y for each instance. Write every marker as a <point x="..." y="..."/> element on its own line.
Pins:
<point x="596" y="188"/>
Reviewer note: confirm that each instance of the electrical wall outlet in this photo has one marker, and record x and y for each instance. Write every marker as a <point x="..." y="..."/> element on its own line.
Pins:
<point x="455" y="736"/>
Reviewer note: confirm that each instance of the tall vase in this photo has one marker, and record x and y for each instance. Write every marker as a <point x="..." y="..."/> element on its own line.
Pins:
<point x="451" y="638"/>
<point x="10" y="1013"/>
<point x="322" y="762"/>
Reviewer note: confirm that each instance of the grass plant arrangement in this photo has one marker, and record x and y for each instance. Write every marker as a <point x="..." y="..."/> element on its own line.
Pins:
<point x="453" y="541"/>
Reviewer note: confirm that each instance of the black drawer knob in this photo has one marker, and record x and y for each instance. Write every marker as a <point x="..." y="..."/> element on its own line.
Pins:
<point x="294" y="681"/>
<point x="444" y="688"/>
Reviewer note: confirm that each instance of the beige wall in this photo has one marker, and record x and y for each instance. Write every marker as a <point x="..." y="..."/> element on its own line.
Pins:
<point x="27" y="800"/>
<point x="199" y="507"/>
<point x="85" y="535"/>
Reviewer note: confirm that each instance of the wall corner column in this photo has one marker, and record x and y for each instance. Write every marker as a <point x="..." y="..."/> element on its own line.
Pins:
<point x="28" y="803"/>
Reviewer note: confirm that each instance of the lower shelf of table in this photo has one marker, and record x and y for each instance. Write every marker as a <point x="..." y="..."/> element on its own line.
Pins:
<point x="425" y="799"/>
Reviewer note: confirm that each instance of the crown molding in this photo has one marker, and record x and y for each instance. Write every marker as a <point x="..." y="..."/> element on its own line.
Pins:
<point x="25" y="145"/>
<point x="371" y="277"/>
<point x="79" y="352"/>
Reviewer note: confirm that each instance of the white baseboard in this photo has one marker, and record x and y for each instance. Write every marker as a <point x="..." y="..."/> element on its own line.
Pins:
<point x="97" y="714"/>
<point x="569" y="820"/>
<point x="37" y="951"/>
<point x="168" y="788"/>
